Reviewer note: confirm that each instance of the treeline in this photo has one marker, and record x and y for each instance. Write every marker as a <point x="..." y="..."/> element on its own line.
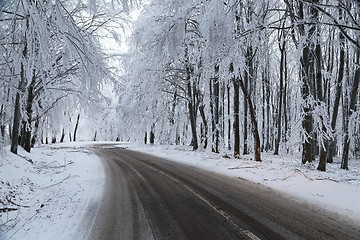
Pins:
<point x="250" y="76"/>
<point x="52" y="66"/>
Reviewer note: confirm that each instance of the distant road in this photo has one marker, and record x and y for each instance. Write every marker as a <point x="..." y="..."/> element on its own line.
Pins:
<point x="151" y="198"/>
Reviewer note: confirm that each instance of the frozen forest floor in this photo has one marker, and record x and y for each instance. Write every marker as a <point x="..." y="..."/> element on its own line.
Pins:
<point x="47" y="199"/>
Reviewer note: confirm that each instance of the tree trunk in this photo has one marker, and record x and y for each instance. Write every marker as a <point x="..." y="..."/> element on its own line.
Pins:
<point x="228" y="116"/>
<point x="62" y="135"/>
<point x="319" y="88"/>
<point x="268" y="97"/>
<point x="307" y="121"/>
<point x="16" y="125"/>
<point x="245" y="129"/>
<point x="17" y="110"/>
<point x="216" y="111"/>
<point x="281" y="90"/>
<point x="26" y="144"/>
<point x="236" y="114"/>
<point x="331" y="146"/>
<point x="351" y="110"/>
<point x="323" y="150"/>
<point x="286" y="128"/>
<point x="257" y="143"/>
<point x="35" y="135"/>
<point x="152" y="135"/>
<point x="266" y="107"/>
<point x="204" y="135"/>
<point x="76" y="127"/>
<point x="2" y="121"/>
<point x="191" y="103"/>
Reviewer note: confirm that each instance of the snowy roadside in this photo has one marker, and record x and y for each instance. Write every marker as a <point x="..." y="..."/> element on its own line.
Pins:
<point x="50" y="197"/>
<point x="335" y="190"/>
<point x="47" y="199"/>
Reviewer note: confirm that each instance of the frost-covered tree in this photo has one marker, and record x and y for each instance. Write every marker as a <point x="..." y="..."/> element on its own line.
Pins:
<point x="281" y="70"/>
<point x="319" y="20"/>
<point x="171" y="43"/>
<point x="53" y="63"/>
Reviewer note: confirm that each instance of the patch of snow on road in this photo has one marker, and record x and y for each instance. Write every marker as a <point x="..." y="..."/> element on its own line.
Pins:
<point x="46" y="199"/>
<point x="335" y="190"/>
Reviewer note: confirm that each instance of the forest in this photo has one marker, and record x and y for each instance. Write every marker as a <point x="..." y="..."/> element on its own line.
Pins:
<point x="241" y="76"/>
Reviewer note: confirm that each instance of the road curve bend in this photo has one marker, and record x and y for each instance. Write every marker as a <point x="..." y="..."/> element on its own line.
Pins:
<point x="147" y="197"/>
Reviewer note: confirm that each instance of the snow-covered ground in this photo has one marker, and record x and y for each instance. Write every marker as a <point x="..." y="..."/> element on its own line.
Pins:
<point x="51" y="195"/>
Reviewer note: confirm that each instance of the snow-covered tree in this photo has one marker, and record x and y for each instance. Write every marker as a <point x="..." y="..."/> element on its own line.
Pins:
<point x="53" y="64"/>
<point x="289" y="60"/>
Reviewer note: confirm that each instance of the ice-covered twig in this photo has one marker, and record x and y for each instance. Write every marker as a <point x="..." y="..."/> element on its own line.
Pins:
<point x="16" y="204"/>
<point x="27" y="159"/>
<point x="58" y="182"/>
<point x="239" y="167"/>
<point x="6" y="209"/>
<point x="301" y="173"/>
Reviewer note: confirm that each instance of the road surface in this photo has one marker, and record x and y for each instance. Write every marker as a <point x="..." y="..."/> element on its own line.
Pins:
<point x="152" y="198"/>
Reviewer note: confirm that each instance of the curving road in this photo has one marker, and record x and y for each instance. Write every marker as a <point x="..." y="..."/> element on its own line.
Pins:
<point x="152" y="198"/>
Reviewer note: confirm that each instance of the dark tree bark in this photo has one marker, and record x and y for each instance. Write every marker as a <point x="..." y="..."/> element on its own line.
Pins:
<point x="245" y="81"/>
<point x="20" y="91"/>
<point x="173" y="113"/>
<point x="145" y="138"/>
<point x="263" y="127"/>
<point x="228" y="116"/>
<point x="35" y="135"/>
<point x="204" y="135"/>
<point x="2" y="121"/>
<point x="194" y="141"/>
<point x="152" y="135"/>
<point x="62" y="135"/>
<point x="16" y="125"/>
<point x="282" y="45"/>
<point x="351" y="110"/>
<point x="307" y="122"/>
<point x="236" y="113"/>
<point x="76" y="127"/>
<point x="319" y="86"/>
<point x="286" y="120"/>
<point x="26" y="134"/>
<point x="301" y="12"/>
<point x="245" y="128"/>
<point x="216" y="111"/>
<point x="222" y="114"/>
<point x="15" y="140"/>
<point x="332" y="143"/>
<point x="267" y="97"/>
<point x="255" y="130"/>
<point x="191" y="102"/>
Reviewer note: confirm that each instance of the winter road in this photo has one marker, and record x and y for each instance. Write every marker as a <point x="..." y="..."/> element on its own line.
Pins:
<point x="151" y="198"/>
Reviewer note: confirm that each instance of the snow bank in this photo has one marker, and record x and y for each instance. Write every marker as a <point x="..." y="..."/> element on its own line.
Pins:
<point x="336" y="190"/>
<point x="47" y="199"/>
